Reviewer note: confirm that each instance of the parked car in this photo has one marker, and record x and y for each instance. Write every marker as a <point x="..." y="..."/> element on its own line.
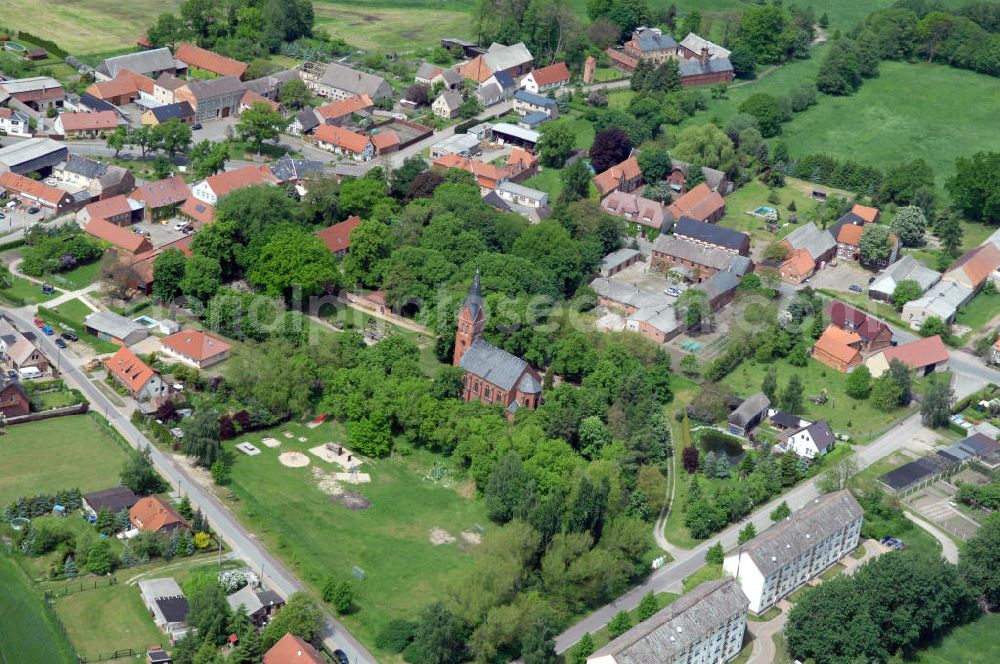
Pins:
<point x="2" y="215"/>
<point x="48" y="289"/>
<point x="11" y="373"/>
<point x="69" y="336"/>
<point x="48" y="331"/>
<point x="181" y="226"/>
<point x="855" y="288"/>
<point x="61" y="343"/>
<point x="871" y="280"/>
<point x="341" y="657"/>
<point x="39" y="322"/>
<point x="33" y="210"/>
<point x="672" y="291"/>
<point x="196" y="125"/>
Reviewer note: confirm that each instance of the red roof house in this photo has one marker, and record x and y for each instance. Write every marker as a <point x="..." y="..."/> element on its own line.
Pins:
<point x="194" y="56"/>
<point x="162" y="198"/>
<point x="43" y="194"/>
<point x="340" y="111"/>
<point x="546" y="78"/>
<point x="338" y="236"/>
<point x="875" y="335"/>
<point x="291" y="649"/>
<point x="626" y="176"/>
<point x="120" y="237"/>
<point x="700" y="203"/>
<point x="155" y="515"/>
<point x="196" y="348"/>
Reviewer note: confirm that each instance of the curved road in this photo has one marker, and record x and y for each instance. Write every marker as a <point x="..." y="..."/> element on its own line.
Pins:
<point x="948" y="547"/>
<point x="669" y="578"/>
<point x="243" y="544"/>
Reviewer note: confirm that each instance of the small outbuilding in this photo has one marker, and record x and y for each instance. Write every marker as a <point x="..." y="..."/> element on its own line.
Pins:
<point x="748" y="414"/>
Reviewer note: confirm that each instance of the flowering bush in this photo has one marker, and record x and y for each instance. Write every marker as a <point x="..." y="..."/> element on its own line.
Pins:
<point x="234" y="579"/>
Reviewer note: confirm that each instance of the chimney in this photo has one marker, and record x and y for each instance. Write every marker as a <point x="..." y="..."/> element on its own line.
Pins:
<point x="704" y="55"/>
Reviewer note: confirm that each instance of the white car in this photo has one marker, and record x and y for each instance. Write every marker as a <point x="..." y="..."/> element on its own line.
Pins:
<point x="672" y="292"/>
<point x="181" y="226"/>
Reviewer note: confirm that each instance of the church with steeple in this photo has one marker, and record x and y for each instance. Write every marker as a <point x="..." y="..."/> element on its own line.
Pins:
<point x="492" y="375"/>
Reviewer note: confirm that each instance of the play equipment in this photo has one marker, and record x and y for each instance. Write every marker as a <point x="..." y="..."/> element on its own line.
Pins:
<point x="20" y="522"/>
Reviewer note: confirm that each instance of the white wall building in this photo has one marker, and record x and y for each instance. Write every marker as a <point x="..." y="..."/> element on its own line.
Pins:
<point x="785" y="556"/>
<point x="705" y="626"/>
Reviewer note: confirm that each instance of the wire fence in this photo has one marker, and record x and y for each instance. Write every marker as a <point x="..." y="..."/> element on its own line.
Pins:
<point x="80" y="586"/>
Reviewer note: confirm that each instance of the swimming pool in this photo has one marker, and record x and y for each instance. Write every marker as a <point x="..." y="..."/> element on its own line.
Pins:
<point x="147" y="321"/>
<point x="762" y="210"/>
<point x="14" y="46"/>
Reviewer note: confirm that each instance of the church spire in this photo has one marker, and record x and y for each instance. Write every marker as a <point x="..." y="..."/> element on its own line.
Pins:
<point x="474" y="298"/>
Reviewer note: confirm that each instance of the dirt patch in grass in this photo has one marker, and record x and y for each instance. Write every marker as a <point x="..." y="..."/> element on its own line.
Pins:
<point x="294" y="459"/>
<point x="439" y="536"/>
<point x="352" y="501"/>
<point x="471" y="537"/>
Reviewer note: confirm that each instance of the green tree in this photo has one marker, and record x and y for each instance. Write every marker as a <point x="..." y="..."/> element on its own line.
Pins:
<point x="689" y="365"/>
<point x="440" y="637"/>
<point x="118" y="140"/>
<point x="906" y="290"/>
<point x="791" y="396"/>
<point x="143" y="139"/>
<point x="208" y="158"/>
<point x="172" y="136"/>
<point x="362" y="196"/>
<point x="935" y="409"/>
<point x="470" y="108"/>
<point x="184" y="508"/>
<point x="339" y="593"/>
<point x="593" y="437"/>
<point x="975" y="187"/>
<point x="300" y="616"/>
<point x="648" y="606"/>
<point x="767" y="30"/>
<point x="370" y="436"/>
<point x="202" y="277"/>
<point x="201" y="437"/>
<point x="909" y="225"/>
<point x="99" y="560"/>
<point x="138" y="473"/>
<point x="859" y="383"/>
<point x="209" y="613"/>
<point x="789" y="467"/>
<point x="105" y="522"/>
<point x="168" y="273"/>
<point x="162" y="168"/>
<point x="744" y="62"/>
<point x="556" y="143"/>
<point x="781" y="512"/>
<point x="294" y="94"/>
<point x="655" y="164"/>
<point x="258" y="124"/>
<point x="576" y="182"/>
<point x="886" y="392"/>
<point x="715" y="554"/>
<point x="817" y="327"/>
<point x="583" y="649"/>
<point x="840" y="71"/>
<point x="766" y="110"/>
<point x="769" y="385"/>
<point x="704" y="145"/>
<point x="537" y="644"/>
<point x="167" y="31"/>
<point x="371" y="243"/>
<point x="621" y="623"/>
<point x="294" y="261"/>
<point x="509" y="488"/>
<point x="979" y="563"/>
<point x="904" y="378"/>
<point x="875" y="245"/>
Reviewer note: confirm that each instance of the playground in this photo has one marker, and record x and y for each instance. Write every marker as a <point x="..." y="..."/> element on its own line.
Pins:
<point x="321" y="522"/>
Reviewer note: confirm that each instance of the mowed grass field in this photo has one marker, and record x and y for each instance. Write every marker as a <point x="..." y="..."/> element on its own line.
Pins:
<point x="394" y="26"/>
<point x="972" y="643"/>
<point x="102" y="620"/>
<point x="390" y="540"/>
<point x="84" y="27"/>
<point x="54" y="454"/>
<point x="28" y="634"/>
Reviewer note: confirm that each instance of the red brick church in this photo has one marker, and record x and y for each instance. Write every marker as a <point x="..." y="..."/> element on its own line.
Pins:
<point x="492" y="375"/>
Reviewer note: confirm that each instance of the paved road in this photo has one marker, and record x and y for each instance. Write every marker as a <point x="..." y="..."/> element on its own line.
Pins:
<point x="669" y="578"/>
<point x="225" y="524"/>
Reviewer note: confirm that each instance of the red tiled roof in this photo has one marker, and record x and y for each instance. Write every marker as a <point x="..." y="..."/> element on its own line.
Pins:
<point x="978" y="263"/>
<point x="476" y="69"/>
<point x="850" y="234"/>
<point x="625" y="60"/>
<point x="162" y="193"/>
<point x="33" y="188"/>
<point x="487" y="175"/>
<point x="869" y="214"/>
<point x="800" y="262"/>
<point x="338" y="236"/>
<point x="139" y="82"/>
<point x="238" y="178"/>
<point x="250" y="98"/>
<point x="847" y="317"/>
<point x="610" y="179"/>
<point x="129" y="369"/>
<point x="291" y="649"/>
<point x="699" y="203"/>
<point x="89" y="121"/>
<point x="385" y="140"/>
<point x="551" y="74"/>
<point x="195" y="344"/>
<point x="522" y="157"/>
<point x="198" y="210"/>
<point x="919" y="353"/>
<point x="195" y="56"/>
<point x="837" y="343"/>
<point x="109" y="207"/>
<point x="120" y="86"/>
<point x="342" y="138"/>
<point x="117" y="235"/>
<point x="345" y="107"/>
<point x="153" y="512"/>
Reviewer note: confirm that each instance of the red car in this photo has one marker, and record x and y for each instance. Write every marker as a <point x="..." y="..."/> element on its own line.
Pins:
<point x="39" y="323"/>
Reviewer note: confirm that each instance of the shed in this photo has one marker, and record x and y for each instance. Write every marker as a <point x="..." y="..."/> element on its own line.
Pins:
<point x="749" y="414"/>
<point x="109" y="326"/>
<point x="618" y="260"/>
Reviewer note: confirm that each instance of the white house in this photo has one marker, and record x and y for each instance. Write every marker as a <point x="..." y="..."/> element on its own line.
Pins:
<point x="447" y="105"/>
<point x="14" y="123"/>
<point x="811" y="441"/>
<point x="521" y="195"/>
<point x="704" y="626"/>
<point x="785" y="556"/>
<point x="547" y="78"/>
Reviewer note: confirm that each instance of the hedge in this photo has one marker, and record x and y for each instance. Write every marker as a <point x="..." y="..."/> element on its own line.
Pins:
<point x="13" y="244"/>
<point x="48" y="45"/>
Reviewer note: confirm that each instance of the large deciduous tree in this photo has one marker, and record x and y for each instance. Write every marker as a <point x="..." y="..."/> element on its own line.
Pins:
<point x="258" y="124"/>
<point x="909" y="225"/>
<point x="610" y="147"/>
<point x="294" y="261"/>
<point x="975" y="186"/>
<point x="557" y="143"/>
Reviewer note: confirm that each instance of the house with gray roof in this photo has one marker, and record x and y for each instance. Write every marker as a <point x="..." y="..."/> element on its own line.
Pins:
<point x="720" y="288"/>
<point x="109" y="326"/>
<point x="618" y="260"/>
<point x="749" y="414"/>
<point x="18" y="350"/>
<point x="705" y="625"/>
<point x="693" y="72"/>
<point x="338" y="81"/>
<point x="97" y="178"/>
<point x="270" y="86"/>
<point x="304" y="122"/>
<point x="787" y="555"/>
<point x="180" y="110"/>
<point x="492" y="375"/>
<point x="32" y="155"/>
<point x="447" y="104"/>
<point x="526" y="103"/>
<point x="811" y="441"/>
<point x="907" y="268"/>
<point x="515" y="60"/>
<point x="167" y="604"/>
<point x="289" y="169"/>
<point x="213" y="98"/>
<point x="712" y="235"/>
<point x="697" y="261"/>
<point x="943" y="301"/>
<point x="714" y="179"/>
<point x="149" y="63"/>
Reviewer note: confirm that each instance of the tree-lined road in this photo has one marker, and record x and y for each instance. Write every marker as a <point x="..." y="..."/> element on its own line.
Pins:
<point x="242" y="542"/>
<point x="669" y="578"/>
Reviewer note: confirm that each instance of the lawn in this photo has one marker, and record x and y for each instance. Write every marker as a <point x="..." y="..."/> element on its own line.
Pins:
<point x="706" y="573"/>
<point x="88" y="27"/>
<point x="59" y="453"/>
<point x="394" y="26"/>
<point x="79" y="277"/>
<point x="26" y="290"/>
<point x="844" y="415"/>
<point x="71" y="314"/>
<point x="105" y="619"/>
<point x="28" y="633"/>
<point x="755" y="194"/>
<point x="979" y="311"/>
<point x="966" y="644"/>
<point x="390" y="541"/>
<point x="547" y="179"/>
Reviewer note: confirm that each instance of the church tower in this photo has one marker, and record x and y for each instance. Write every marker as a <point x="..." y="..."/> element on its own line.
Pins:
<point x="471" y="320"/>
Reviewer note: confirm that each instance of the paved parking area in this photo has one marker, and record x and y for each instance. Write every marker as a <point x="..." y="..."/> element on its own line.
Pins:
<point x="160" y="234"/>
<point x="934" y="504"/>
<point x="841" y="276"/>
